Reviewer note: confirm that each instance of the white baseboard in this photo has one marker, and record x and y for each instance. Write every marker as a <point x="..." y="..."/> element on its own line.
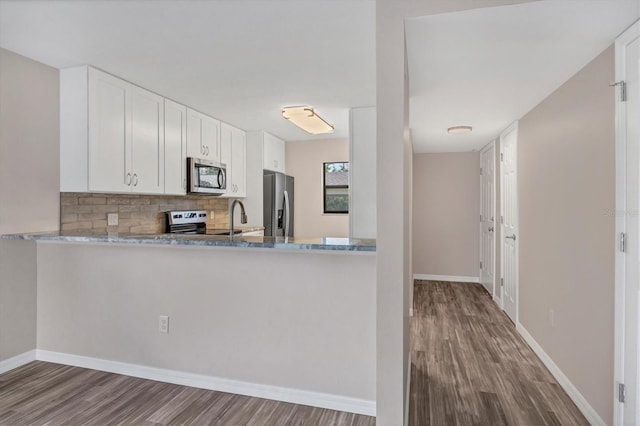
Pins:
<point x="587" y="410"/>
<point x="296" y="396"/>
<point x="451" y="278"/>
<point x="17" y="361"/>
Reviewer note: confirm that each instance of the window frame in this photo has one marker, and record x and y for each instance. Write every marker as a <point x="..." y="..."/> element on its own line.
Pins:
<point x="324" y="188"/>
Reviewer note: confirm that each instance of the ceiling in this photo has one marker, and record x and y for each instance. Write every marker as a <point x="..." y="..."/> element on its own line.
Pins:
<point x="489" y="67"/>
<point x="243" y="60"/>
<point x="240" y="61"/>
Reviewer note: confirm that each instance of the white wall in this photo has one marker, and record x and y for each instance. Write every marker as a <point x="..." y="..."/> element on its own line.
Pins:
<point x="305" y="163"/>
<point x="446" y="195"/>
<point x="362" y="172"/>
<point x="29" y="188"/>
<point x="566" y="145"/>
<point x="298" y="320"/>
<point x="29" y="145"/>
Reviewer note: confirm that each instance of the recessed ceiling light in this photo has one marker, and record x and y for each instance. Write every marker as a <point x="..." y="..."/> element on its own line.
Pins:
<point x="457" y="130"/>
<point x="307" y="119"/>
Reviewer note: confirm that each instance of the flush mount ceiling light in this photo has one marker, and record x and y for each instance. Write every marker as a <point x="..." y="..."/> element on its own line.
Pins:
<point x="458" y="130"/>
<point x="306" y="118"/>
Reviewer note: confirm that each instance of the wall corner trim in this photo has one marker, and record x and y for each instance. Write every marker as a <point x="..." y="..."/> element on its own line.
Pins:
<point x="449" y="278"/>
<point x="17" y="361"/>
<point x="295" y="396"/>
<point x="587" y="410"/>
<point x="408" y="392"/>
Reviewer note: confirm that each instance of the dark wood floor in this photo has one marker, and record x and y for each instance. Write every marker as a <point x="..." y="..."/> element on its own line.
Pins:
<point x="43" y="393"/>
<point x="471" y="367"/>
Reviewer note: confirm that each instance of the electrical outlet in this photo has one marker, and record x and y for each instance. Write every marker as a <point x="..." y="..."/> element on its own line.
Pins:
<point x="112" y="219"/>
<point x="552" y="318"/>
<point x="163" y="324"/>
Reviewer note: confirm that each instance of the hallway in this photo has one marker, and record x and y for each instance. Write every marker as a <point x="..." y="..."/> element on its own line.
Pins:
<point x="470" y="366"/>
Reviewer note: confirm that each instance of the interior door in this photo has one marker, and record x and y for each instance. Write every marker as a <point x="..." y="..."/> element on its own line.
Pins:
<point x="487" y="218"/>
<point x="627" y="226"/>
<point x="509" y="219"/>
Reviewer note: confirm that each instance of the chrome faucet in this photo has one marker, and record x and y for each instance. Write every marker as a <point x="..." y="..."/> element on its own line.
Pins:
<point x="243" y="215"/>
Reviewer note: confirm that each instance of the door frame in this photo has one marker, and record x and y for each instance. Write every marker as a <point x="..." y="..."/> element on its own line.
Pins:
<point x="490" y="145"/>
<point x="620" y="225"/>
<point x="513" y="127"/>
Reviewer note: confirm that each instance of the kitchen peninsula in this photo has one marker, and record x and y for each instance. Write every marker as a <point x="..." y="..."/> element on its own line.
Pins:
<point x="291" y="321"/>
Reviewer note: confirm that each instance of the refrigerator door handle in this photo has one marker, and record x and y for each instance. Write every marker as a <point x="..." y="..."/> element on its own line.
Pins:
<point x="286" y="214"/>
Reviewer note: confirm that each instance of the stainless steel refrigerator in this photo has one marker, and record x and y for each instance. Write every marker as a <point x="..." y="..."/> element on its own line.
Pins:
<point x="278" y="204"/>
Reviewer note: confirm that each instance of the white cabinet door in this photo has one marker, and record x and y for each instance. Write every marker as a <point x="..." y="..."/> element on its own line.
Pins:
<point x="147" y="141"/>
<point x="274" y="154"/>
<point x="109" y="146"/>
<point x="239" y="162"/>
<point x="226" y="137"/>
<point x="233" y="149"/>
<point x="175" y="148"/>
<point x="194" y="134"/>
<point x="211" y="138"/>
<point x="203" y="136"/>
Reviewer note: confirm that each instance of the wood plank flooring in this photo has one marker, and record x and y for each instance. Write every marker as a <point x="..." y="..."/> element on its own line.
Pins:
<point x="42" y="393"/>
<point x="469" y="365"/>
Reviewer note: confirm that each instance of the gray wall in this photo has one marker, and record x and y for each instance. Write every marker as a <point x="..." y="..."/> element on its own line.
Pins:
<point x="446" y="206"/>
<point x="29" y="188"/>
<point x="29" y="145"/>
<point x="566" y="175"/>
<point x="296" y="320"/>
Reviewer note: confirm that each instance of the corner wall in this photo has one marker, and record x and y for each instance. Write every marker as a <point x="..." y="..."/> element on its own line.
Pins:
<point x="566" y="172"/>
<point x="29" y="189"/>
<point x="446" y="197"/>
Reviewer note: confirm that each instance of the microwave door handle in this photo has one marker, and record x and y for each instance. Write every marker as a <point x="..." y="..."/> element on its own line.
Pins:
<point x="220" y="179"/>
<point x="286" y="214"/>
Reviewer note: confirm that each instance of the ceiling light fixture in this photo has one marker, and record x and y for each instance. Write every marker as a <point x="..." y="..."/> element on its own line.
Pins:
<point x="458" y="130"/>
<point x="307" y="119"/>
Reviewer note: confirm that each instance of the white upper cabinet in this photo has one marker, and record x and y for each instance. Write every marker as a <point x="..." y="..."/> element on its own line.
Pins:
<point x="175" y="148"/>
<point x="112" y="137"/>
<point x="233" y="149"/>
<point x="146" y="162"/>
<point x="273" y="153"/>
<point x="109" y="144"/>
<point x="203" y="136"/>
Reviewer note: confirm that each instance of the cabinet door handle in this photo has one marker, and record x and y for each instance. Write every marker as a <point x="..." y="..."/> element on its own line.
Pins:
<point x="135" y="177"/>
<point x="184" y="184"/>
<point x="127" y="180"/>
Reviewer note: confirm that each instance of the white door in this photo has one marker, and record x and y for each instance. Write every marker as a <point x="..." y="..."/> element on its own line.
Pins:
<point x="487" y="218"/>
<point x="147" y="141"/>
<point x="627" y="225"/>
<point x="175" y="148"/>
<point x="509" y="219"/>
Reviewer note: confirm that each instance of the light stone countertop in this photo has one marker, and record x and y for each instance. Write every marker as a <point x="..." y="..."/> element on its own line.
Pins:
<point x="321" y="243"/>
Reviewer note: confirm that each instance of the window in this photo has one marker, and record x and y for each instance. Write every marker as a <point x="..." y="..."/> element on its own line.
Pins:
<point x="336" y="187"/>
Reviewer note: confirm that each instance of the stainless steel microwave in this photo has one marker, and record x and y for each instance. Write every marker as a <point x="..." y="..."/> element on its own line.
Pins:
<point x="206" y="177"/>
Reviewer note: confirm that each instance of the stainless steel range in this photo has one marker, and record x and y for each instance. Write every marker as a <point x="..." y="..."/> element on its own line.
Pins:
<point x="186" y="222"/>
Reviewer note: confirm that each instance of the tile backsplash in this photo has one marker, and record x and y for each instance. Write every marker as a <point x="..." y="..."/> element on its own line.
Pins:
<point x="82" y="212"/>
